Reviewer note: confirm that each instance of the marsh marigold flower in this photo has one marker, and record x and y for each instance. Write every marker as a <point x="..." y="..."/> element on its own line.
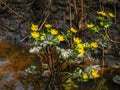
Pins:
<point x="54" y="31"/>
<point x="35" y="34"/>
<point x="94" y="44"/>
<point x="34" y="27"/>
<point x="77" y="40"/>
<point x="95" y="74"/>
<point x="60" y="38"/>
<point x="91" y="25"/>
<point x="48" y="26"/>
<point x="101" y="13"/>
<point x="111" y="14"/>
<point x="85" y="77"/>
<point x="80" y="46"/>
<point x="81" y="50"/>
<point x="73" y="30"/>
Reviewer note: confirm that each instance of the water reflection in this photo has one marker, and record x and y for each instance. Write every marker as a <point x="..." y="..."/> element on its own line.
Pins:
<point x="15" y="59"/>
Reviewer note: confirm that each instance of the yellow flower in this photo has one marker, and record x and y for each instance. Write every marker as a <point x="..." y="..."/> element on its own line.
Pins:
<point x="77" y="40"/>
<point x="60" y="38"/>
<point x="80" y="46"/>
<point x="73" y="30"/>
<point x="90" y="25"/>
<point x="48" y="26"/>
<point x="94" y="44"/>
<point x="35" y="34"/>
<point x="98" y="12"/>
<point x="81" y="50"/>
<point x="111" y="15"/>
<point x="34" y="27"/>
<point x="101" y="13"/>
<point x="54" y="32"/>
<point x="95" y="74"/>
<point x="85" y="77"/>
<point x="104" y="14"/>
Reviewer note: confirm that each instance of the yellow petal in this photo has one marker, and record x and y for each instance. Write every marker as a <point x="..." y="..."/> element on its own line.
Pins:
<point x="54" y="31"/>
<point x="60" y="38"/>
<point x="35" y="34"/>
<point x="90" y="25"/>
<point x="73" y="30"/>
<point x="34" y="27"/>
<point x="48" y="26"/>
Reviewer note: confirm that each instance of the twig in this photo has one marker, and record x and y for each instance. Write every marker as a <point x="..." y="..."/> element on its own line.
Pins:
<point x="108" y="37"/>
<point x="43" y="21"/>
<point x="75" y="7"/>
<point x="82" y="9"/>
<point x="103" y="56"/>
<point x="115" y="13"/>
<point x="24" y="38"/>
<point x="48" y="13"/>
<point x="70" y="13"/>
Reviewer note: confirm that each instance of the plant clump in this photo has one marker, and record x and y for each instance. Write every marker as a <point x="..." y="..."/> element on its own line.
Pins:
<point x="47" y="44"/>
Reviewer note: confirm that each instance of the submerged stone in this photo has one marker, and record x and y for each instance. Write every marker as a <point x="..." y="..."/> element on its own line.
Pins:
<point x="3" y="63"/>
<point x="116" y="79"/>
<point x="18" y="86"/>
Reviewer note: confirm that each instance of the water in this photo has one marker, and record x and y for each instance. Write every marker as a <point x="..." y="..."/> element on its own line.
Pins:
<point x="3" y="62"/>
<point x="15" y="58"/>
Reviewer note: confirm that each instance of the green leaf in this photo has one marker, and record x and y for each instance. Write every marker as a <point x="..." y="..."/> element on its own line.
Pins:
<point x="102" y="23"/>
<point x="95" y="29"/>
<point x="102" y="42"/>
<point x="100" y="18"/>
<point x="108" y="24"/>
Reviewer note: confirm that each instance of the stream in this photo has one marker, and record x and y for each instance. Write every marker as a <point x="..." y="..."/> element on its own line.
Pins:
<point x="14" y="59"/>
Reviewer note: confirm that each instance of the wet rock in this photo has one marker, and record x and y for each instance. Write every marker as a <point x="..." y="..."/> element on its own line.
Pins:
<point x="23" y="74"/>
<point x="116" y="79"/>
<point x="108" y="52"/>
<point x="110" y="60"/>
<point x="2" y="87"/>
<point x="11" y="21"/>
<point x="18" y="86"/>
<point x="18" y="1"/>
<point x="115" y="35"/>
<point x="30" y="87"/>
<point x="8" y="77"/>
<point x="54" y="9"/>
<point x="68" y="17"/>
<point x="109" y="1"/>
<point x="3" y="62"/>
